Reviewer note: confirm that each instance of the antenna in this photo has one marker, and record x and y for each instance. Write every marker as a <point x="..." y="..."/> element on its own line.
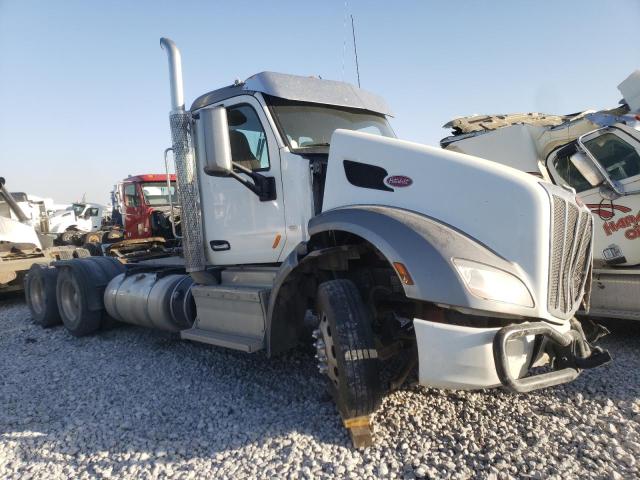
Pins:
<point x="355" y="49"/>
<point x="344" y="38"/>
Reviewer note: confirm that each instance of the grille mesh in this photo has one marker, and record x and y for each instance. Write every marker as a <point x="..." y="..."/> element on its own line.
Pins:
<point x="569" y="257"/>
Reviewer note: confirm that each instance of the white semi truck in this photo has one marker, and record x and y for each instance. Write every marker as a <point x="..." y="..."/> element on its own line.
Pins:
<point x="299" y="207"/>
<point x="79" y="217"/>
<point x="595" y="153"/>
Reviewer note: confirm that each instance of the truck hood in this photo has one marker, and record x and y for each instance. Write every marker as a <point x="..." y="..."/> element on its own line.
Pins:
<point x="16" y="232"/>
<point x="501" y="208"/>
<point x="61" y="221"/>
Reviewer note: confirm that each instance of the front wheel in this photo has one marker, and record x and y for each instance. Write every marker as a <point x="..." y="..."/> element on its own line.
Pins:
<point x="346" y="350"/>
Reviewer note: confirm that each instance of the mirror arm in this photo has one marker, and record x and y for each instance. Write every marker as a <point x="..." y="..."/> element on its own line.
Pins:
<point x="263" y="187"/>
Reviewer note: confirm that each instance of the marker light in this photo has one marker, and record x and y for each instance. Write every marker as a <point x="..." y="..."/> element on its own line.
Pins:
<point x="493" y="284"/>
<point x="403" y="273"/>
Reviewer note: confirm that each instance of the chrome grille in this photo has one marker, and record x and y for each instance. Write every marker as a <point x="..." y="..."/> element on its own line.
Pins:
<point x="570" y="255"/>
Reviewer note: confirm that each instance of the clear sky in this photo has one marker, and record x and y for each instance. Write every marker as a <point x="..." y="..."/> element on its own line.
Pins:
<point x="84" y="91"/>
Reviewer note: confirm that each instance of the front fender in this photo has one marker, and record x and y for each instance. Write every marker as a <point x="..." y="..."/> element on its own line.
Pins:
<point x="425" y="246"/>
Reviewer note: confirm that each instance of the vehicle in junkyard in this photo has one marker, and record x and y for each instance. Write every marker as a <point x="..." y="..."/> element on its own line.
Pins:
<point x="300" y="208"/>
<point x="595" y="153"/>
<point x="78" y="219"/>
<point x="22" y="246"/>
<point x="147" y="206"/>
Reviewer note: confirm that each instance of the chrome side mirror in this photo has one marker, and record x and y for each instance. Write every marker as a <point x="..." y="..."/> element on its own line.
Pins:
<point x="213" y="130"/>
<point x="586" y="167"/>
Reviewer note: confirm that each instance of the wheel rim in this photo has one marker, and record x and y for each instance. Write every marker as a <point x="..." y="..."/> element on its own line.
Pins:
<point x="326" y="350"/>
<point x="36" y="292"/>
<point x="70" y="300"/>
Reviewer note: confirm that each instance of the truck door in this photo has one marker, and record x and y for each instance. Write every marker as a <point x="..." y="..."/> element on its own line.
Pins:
<point x="617" y="230"/>
<point x="133" y="221"/>
<point x="238" y="227"/>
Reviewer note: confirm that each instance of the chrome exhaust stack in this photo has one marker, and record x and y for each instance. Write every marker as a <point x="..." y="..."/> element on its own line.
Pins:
<point x="175" y="74"/>
<point x="186" y="171"/>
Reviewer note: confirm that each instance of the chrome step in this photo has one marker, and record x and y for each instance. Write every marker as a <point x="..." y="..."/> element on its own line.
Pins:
<point x="249" y="276"/>
<point x="231" y="312"/>
<point x="235" y="342"/>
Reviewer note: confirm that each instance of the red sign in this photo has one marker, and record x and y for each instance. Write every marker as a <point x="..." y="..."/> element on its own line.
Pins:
<point x="607" y="210"/>
<point x="399" y="181"/>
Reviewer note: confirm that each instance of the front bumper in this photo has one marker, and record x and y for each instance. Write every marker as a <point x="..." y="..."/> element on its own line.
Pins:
<point x="461" y="357"/>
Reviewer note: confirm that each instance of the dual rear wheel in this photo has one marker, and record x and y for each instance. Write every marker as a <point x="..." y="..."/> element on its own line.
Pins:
<point x="71" y="293"/>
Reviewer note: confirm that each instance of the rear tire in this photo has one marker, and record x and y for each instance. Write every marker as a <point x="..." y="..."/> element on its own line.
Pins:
<point x="93" y="237"/>
<point x="346" y="336"/>
<point x="40" y="293"/>
<point x="93" y="248"/>
<point x="67" y="237"/>
<point x="71" y="293"/>
<point x="112" y="236"/>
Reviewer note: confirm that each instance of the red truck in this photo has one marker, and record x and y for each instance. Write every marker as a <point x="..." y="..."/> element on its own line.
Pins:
<point x="147" y="206"/>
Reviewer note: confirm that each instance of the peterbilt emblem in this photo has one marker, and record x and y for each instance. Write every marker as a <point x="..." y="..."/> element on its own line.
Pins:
<point x="398" y="181"/>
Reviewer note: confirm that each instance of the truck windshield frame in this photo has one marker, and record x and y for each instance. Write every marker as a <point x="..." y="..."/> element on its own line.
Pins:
<point x="306" y="127"/>
<point x="162" y="199"/>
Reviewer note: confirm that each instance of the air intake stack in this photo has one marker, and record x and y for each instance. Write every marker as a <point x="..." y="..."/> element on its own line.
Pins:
<point x="186" y="171"/>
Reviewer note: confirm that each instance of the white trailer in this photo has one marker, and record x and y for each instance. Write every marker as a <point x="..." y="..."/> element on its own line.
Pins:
<point x="596" y="154"/>
<point x="300" y="206"/>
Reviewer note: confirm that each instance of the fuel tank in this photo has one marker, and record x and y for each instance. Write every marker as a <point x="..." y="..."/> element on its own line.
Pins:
<point x="151" y="299"/>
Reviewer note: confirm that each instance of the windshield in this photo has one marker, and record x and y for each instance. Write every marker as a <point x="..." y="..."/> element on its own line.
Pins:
<point x="19" y="196"/>
<point x="619" y="158"/>
<point x="77" y="208"/>
<point x="157" y="193"/>
<point x="308" y="125"/>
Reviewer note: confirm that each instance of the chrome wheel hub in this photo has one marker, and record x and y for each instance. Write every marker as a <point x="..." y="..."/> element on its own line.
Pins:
<point x="36" y="291"/>
<point x="325" y="350"/>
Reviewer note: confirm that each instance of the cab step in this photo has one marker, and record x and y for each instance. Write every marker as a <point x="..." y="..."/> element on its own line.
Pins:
<point x="235" y="342"/>
<point x="230" y="315"/>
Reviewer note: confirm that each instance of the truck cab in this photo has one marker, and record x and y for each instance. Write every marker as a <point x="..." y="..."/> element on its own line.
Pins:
<point x="148" y="205"/>
<point x="286" y="140"/>
<point x="595" y="154"/>
<point x="84" y="217"/>
<point x="614" y="200"/>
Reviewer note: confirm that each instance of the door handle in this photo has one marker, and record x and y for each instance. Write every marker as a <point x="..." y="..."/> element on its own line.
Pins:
<point x="219" y="245"/>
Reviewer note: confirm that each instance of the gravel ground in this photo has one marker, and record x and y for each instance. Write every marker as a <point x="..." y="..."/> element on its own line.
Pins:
<point x="134" y="403"/>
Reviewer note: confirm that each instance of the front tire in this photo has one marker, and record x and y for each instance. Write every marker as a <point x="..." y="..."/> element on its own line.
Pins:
<point x="346" y="349"/>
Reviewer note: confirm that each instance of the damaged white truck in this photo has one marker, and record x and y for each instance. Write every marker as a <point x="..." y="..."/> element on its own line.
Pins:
<point x="596" y="153"/>
<point x="301" y="212"/>
<point x="22" y="246"/>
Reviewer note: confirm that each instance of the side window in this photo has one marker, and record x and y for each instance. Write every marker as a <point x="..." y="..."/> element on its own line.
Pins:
<point x="248" y="139"/>
<point x="570" y="173"/>
<point x="130" y="196"/>
<point x="619" y="158"/>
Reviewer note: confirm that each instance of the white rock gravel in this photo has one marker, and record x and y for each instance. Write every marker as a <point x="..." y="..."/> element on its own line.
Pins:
<point x="139" y="404"/>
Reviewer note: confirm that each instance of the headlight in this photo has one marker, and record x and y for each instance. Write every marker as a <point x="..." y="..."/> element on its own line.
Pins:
<point x="492" y="283"/>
